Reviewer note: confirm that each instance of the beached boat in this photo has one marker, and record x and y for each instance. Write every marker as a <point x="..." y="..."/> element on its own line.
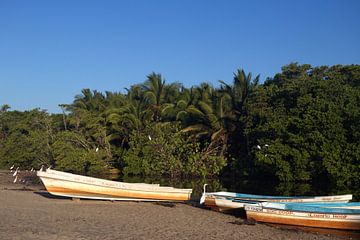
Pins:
<point x="227" y="201"/>
<point x="78" y="186"/>
<point x="325" y="215"/>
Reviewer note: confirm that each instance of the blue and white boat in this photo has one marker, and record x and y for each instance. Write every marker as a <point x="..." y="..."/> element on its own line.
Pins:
<point x="225" y="201"/>
<point x="322" y="215"/>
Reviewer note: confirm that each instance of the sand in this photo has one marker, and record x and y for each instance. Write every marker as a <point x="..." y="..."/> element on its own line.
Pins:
<point x="27" y="211"/>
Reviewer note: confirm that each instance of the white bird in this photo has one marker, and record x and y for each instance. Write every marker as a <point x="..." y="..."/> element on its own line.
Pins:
<point x="149" y="137"/>
<point x="97" y="149"/>
<point x="16" y="171"/>
<point x="32" y="169"/>
<point x="265" y="155"/>
<point x="266" y="145"/>
<point x="258" y="146"/>
<point x="15" y="179"/>
<point x="202" y="199"/>
<point x="11" y="168"/>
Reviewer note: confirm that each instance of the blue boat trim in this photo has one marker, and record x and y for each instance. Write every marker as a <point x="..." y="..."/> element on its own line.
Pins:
<point x="242" y="195"/>
<point x="329" y="208"/>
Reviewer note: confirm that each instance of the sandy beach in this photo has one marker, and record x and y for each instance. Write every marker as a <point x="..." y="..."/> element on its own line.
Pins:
<point x="27" y="211"/>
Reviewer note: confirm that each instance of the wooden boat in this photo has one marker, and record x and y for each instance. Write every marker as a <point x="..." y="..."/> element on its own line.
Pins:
<point x="227" y="201"/>
<point x="78" y="186"/>
<point x="322" y="215"/>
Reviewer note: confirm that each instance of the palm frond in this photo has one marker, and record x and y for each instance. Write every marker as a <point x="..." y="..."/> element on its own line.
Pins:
<point x="194" y="111"/>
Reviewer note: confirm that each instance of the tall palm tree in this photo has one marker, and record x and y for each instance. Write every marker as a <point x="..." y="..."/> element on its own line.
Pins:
<point x="235" y="115"/>
<point x="238" y="93"/>
<point x="154" y="88"/>
<point x="204" y="117"/>
<point x="131" y="114"/>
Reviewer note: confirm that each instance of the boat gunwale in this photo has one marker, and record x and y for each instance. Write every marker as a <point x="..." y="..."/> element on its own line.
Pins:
<point x="304" y="208"/>
<point x="241" y="196"/>
<point x="60" y="173"/>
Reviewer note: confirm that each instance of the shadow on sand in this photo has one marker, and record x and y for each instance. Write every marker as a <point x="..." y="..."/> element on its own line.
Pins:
<point x="50" y="196"/>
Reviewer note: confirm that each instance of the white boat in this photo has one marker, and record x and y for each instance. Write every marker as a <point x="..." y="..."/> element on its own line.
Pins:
<point x="78" y="186"/>
<point x="227" y="201"/>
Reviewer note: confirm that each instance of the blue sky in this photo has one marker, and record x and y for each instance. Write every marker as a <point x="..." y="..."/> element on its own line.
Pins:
<point x="50" y="50"/>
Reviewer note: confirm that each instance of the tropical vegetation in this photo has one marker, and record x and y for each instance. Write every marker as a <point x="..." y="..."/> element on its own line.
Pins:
<point x="301" y="125"/>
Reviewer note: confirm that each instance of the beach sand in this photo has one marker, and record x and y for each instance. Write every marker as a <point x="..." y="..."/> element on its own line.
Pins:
<point x="27" y="211"/>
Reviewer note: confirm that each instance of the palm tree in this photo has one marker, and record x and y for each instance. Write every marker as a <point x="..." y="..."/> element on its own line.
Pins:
<point x="175" y="109"/>
<point x="204" y="117"/>
<point x="131" y="114"/>
<point x="238" y="93"/>
<point x="90" y="100"/>
<point x="235" y="116"/>
<point x="88" y="114"/>
<point x="154" y="93"/>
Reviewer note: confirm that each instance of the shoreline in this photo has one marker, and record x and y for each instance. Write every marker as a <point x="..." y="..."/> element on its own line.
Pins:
<point x="27" y="211"/>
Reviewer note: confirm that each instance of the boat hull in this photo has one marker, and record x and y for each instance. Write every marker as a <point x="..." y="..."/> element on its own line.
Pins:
<point x="234" y="201"/>
<point x="305" y="219"/>
<point x="78" y="186"/>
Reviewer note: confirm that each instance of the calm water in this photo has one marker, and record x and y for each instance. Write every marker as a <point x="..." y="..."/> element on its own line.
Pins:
<point x="249" y="186"/>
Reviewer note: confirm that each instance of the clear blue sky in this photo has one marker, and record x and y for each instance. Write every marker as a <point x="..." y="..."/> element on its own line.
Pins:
<point x="50" y="50"/>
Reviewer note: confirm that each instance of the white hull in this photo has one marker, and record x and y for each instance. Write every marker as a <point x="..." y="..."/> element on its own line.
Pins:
<point x="224" y="203"/>
<point x="77" y="186"/>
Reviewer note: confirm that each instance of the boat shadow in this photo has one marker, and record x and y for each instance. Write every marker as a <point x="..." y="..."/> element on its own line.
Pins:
<point x="46" y="194"/>
<point x="50" y="196"/>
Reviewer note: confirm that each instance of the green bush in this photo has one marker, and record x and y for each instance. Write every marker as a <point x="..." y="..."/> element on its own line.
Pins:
<point x="72" y="153"/>
<point x="162" y="150"/>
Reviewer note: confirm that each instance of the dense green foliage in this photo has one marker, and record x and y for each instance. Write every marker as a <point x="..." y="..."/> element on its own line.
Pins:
<point x="162" y="149"/>
<point x="309" y="118"/>
<point x="301" y="125"/>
